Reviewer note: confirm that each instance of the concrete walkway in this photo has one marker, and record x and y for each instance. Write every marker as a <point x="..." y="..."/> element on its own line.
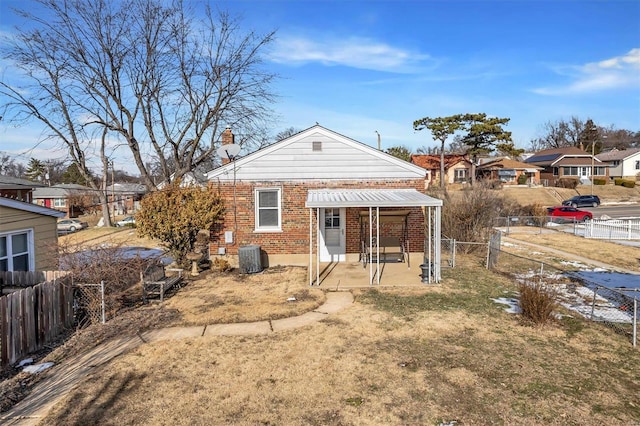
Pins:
<point x="64" y="377"/>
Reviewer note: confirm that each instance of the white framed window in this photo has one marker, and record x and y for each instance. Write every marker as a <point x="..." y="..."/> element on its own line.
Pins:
<point x="16" y="251"/>
<point x="637" y="164"/>
<point x="59" y="202"/>
<point x="268" y="209"/>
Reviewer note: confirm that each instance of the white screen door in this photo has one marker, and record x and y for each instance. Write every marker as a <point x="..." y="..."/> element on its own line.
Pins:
<point x="332" y="235"/>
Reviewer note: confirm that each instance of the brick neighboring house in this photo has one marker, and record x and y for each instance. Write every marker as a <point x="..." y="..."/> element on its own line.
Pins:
<point x="124" y="198"/>
<point x="63" y="197"/>
<point x="457" y="167"/>
<point x="17" y="189"/>
<point x="568" y="162"/>
<point x="622" y="163"/>
<point x="308" y="198"/>
<point x="508" y="171"/>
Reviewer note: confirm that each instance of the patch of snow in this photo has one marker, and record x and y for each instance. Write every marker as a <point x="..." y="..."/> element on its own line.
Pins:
<point x="513" y="307"/>
<point x="509" y="244"/>
<point x="37" y="368"/>
<point x="25" y="362"/>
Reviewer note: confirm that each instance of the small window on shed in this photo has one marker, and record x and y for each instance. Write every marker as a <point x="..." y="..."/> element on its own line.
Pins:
<point x="317" y="145"/>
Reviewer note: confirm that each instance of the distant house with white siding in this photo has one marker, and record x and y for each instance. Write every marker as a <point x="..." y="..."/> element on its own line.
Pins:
<point x="309" y="198"/>
<point x="623" y="163"/>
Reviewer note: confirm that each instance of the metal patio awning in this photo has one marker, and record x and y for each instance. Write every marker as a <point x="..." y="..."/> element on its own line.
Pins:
<point x="369" y="198"/>
<point x="374" y="200"/>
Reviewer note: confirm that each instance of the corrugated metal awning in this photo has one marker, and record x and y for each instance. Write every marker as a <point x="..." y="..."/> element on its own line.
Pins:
<point x="369" y="198"/>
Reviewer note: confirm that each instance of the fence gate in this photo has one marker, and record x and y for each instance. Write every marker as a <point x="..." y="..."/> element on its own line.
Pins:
<point x="89" y="304"/>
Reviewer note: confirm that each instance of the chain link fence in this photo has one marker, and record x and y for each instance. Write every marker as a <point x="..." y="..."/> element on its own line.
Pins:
<point x="89" y="304"/>
<point x="614" y="307"/>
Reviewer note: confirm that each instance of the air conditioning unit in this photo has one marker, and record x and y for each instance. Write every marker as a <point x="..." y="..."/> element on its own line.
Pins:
<point x="249" y="259"/>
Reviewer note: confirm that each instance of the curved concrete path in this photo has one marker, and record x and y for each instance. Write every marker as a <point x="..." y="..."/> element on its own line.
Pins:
<point x="64" y="377"/>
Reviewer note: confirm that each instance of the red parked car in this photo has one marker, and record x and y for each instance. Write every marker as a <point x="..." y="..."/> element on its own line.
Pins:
<point x="568" y="214"/>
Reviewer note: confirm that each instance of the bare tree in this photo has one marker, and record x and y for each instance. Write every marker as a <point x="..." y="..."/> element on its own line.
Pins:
<point x="561" y="133"/>
<point x="288" y="132"/>
<point x="159" y="80"/>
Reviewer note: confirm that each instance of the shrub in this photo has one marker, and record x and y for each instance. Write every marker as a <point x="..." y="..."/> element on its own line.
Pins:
<point x="599" y="181"/>
<point x="522" y="179"/>
<point x="470" y="215"/>
<point x="537" y="302"/>
<point x="628" y="184"/>
<point x="569" y="183"/>
<point x="221" y="264"/>
<point x="618" y="181"/>
<point x="175" y="215"/>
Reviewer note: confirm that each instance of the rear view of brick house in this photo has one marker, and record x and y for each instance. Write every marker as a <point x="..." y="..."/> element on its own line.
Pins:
<point x="310" y="196"/>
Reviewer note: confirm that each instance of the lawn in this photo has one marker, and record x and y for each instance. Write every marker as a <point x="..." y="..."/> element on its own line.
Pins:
<point x="421" y="355"/>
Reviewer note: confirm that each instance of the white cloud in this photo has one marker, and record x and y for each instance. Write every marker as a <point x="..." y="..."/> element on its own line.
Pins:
<point x="612" y="73"/>
<point x="352" y="52"/>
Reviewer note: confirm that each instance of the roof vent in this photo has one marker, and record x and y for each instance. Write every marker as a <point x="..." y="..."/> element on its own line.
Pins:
<point x="317" y="145"/>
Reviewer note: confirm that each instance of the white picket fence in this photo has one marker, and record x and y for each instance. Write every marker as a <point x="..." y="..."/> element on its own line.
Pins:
<point x="612" y="229"/>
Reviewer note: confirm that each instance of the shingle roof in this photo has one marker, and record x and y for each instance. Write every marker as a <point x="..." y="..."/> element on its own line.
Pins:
<point x="10" y="182"/>
<point x="617" y="154"/>
<point x="548" y="156"/>
<point x="28" y="207"/>
<point x="505" y="163"/>
<point x="431" y="161"/>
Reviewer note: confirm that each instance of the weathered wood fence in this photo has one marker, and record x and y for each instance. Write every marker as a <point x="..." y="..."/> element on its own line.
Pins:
<point x="10" y="280"/>
<point x="34" y="316"/>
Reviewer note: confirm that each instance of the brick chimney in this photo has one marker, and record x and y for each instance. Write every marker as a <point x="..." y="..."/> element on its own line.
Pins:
<point x="227" y="139"/>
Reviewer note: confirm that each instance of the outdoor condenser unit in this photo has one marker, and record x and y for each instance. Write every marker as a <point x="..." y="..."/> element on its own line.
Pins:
<point x="249" y="259"/>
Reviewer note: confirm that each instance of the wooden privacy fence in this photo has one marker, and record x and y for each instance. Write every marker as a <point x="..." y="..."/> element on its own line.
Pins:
<point x="32" y="317"/>
<point x="21" y="279"/>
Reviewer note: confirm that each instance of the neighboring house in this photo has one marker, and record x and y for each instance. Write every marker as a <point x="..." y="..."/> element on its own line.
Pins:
<point x="18" y="189"/>
<point x="568" y="162"/>
<point x="457" y="167"/>
<point x="622" y="164"/>
<point x="125" y="197"/>
<point x="309" y="198"/>
<point x="192" y="178"/>
<point x="68" y="198"/>
<point x="28" y="236"/>
<point x="508" y="171"/>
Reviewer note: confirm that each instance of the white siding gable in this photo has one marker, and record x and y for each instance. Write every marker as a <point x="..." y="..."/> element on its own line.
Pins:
<point x="339" y="158"/>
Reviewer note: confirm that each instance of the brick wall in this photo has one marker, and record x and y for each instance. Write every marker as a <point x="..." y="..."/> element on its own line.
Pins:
<point x="294" y="238"/>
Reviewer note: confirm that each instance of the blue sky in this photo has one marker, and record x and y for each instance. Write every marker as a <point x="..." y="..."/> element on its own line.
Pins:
<point x="358" y="67"/>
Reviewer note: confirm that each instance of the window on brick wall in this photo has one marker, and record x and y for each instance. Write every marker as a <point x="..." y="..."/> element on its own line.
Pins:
<point x="268" y="209"/>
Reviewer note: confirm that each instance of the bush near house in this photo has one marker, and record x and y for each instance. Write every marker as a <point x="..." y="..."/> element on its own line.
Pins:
<point x="599" y="181"/>
<point x="628" y="184"/>
<point x="618" y="181"/>
<point x="569" y="183"/>
<point x="174" y="215"/>
<point x="522" y="179"/>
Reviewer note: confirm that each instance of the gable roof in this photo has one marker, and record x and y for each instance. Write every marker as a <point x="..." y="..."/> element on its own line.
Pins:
<point x="62" y="190"/>
<point x="432" y="161"/>
<point x="31" y="208"/>
<point x="548" y="157"/>
<point x="506" y="163"/>
<point x="615" y="154"/>
<point x="317" y="153"/>
<point x="10" y="182"/>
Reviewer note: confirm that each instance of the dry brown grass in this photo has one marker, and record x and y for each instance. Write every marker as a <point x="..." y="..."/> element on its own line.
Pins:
<point x="623" y="256"/>
<point x="220" y="298"/>
<point x="114" y="236"/>
<point x="407" y="356"/>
